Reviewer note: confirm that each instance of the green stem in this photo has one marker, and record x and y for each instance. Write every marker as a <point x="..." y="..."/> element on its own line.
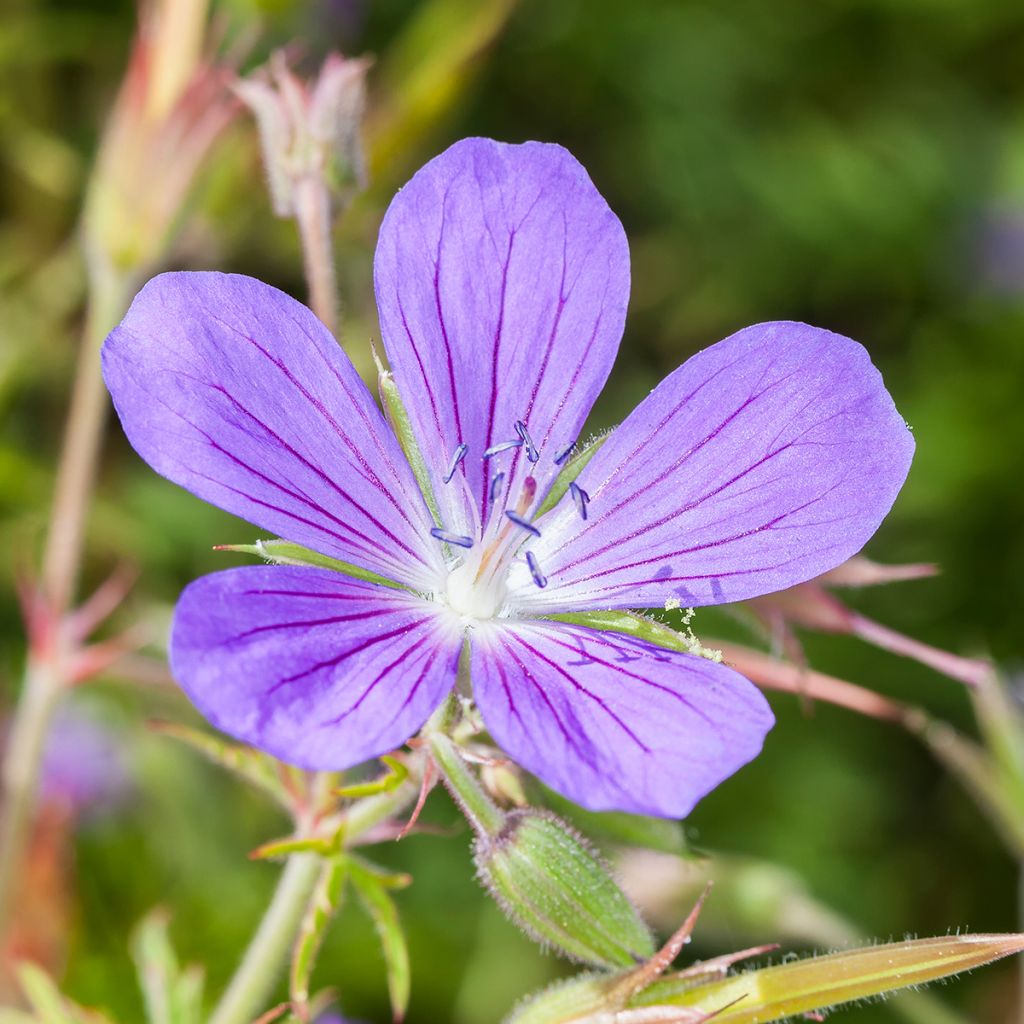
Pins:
<point x="480" y="810"/>
<point x="258" y="973"/>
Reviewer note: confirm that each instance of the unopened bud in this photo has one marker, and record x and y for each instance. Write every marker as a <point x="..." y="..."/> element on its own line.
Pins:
<point x="309" y="130"/>
<point x="551" y="883"/>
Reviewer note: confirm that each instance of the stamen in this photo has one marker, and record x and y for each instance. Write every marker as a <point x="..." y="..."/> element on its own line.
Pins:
<point x="458" y="539"/>
<point x="538" y="577"/>
<point x="502" y="446"/>
<point x="531" y="451"/>
<point x="523" y="522"/>
<point x="580" y="497"/>
<point x="565" y="453"/>
<point x="496" y="486"/>
<point x="457" y="456"/>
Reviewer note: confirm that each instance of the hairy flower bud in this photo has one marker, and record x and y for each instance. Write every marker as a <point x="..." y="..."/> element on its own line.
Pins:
<point x="554" y="886"/>
<point x="309" y="130"/>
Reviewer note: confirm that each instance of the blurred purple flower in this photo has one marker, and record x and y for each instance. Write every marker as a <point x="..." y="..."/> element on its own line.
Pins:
<point x="502" y="280"/>
<point x="84" y="766"/>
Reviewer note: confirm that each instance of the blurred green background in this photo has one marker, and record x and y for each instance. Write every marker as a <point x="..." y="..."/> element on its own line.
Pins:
<point x="858" y="164"/>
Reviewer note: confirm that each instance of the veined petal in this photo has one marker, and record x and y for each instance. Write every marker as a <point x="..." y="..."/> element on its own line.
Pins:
<point x="502" y="279"/>
<point x="760" y="463"/>
<point x="611" y="722"/>
<point x="238" y="393"/>
<point x="319" y="670"/>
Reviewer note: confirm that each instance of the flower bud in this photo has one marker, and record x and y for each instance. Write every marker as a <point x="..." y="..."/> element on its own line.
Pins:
<point x="309" y="131"/>
<point x="553" y="885"/>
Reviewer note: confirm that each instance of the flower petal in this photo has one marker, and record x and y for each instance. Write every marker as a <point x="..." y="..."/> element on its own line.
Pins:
<point x="612" y="722"/>
<point x="317" y="669"/>
<point x="502" y="280"/>
<point x="760" y="463"/>
<point x="235" y="391"/>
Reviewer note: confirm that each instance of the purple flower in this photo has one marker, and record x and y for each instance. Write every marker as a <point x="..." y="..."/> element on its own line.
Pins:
<point x="502" y="280"/>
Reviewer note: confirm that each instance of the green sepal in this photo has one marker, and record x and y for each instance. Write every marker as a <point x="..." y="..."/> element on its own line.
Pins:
<point x="323" y="906"/>
<point x="570" y="471"/>
<point x="640" y="627"/>
<point x="372" y="887"/>
<point x="172" y="995"/>
<point x="284" y="552"/>
<point x="397" y="416"/>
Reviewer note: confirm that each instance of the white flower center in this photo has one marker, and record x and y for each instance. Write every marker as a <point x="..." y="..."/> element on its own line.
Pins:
<point x="473" y="593"/>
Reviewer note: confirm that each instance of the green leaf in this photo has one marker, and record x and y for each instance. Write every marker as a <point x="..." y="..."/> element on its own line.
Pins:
<point x="372" y="886"/>
<point x="570" y="471"/>
<point x="43" y="995"/>
<point x="283" y="552"/>
<point x="254" y="767"/>
<point x="323" y="905"/>
<point x="818" y="983"/>
<point x="172" y="995"/>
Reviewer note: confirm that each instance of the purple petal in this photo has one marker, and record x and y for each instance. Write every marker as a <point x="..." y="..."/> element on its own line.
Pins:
<point x="614" y="723"/>
<point x="237" y="392"/>
<point x="502" y="280"/>
<point x="760" y="463"/>
<point x="317" y="669"/>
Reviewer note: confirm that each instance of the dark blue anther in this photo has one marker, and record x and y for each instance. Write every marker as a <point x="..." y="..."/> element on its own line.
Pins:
<point x="496" y="486"/>
<point x="580" y="497"/>
<point x="531" y="450"/>
<point x="457" y="456"/>
<point x="538" y="577"/>
<point x="458" y="539"/>
<point x="523" y="522"/>
<point x="502" y="446"/>
<point x="565" y="453"/>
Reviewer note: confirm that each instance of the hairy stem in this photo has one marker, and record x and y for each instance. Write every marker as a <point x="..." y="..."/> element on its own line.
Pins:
<point x="480" y="810"/>
<point x="313" y="216"/>
<point x="44" y="679"/>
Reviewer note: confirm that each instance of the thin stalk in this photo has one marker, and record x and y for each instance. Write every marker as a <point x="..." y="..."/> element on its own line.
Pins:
<point x="257" y="974"/>
<point x="268" y="950"/>
<point x="44" y="681"/>
<point x="76" y="471"/>
<point x="314" y="218"/>
<point x="26" y="744"/>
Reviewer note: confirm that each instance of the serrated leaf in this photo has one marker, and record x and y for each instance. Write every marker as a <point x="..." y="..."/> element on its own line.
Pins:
<point x="253" y="766"/>
<point x="372" y="887"/>
<point x="818" y="983"/>
<point x="323" y="905"/>
<point x="284" y="552"/>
